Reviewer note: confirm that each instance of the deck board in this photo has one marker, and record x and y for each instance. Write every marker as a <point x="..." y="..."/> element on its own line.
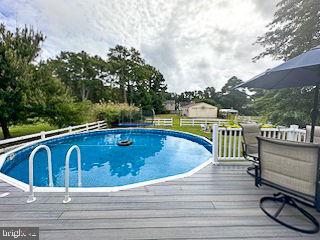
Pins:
<point x="217" y="202"/>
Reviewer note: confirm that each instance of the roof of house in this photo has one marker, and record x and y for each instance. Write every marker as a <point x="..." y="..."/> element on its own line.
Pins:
<point x="185" y="103"/>
<point x="193" y="104"/>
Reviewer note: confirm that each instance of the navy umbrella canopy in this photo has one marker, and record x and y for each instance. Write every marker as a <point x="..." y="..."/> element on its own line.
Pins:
<point x="303" y="70"/>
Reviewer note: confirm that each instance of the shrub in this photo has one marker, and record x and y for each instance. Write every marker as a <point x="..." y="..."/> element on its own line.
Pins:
<point x="266" y="125"/>
<point x="112" y="113"/>
<point x="230" y="124"/>
<point x="69" y="114"/>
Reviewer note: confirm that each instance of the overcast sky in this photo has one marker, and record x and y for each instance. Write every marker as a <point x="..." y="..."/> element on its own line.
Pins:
<point x="194" y="43"/>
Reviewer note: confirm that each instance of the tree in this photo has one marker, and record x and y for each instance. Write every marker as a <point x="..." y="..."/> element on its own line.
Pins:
<point x="140" y="83"/>
<point x="51" y="100"/>
<point x="295" y="29"/>
<point x="85" y="75"/>
<point x="122" y="61"/>
<point x="289" y="106"/>
<point x="17" y="52"/>
<point x="27" y="89"/>
<point x="235" y="98"/>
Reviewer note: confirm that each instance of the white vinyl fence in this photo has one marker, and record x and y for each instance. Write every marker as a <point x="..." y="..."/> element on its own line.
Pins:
<point x="229" y="146"/>
<point x="199" y="121"/>
<point x="7" y="144"/>
<point x="161" y="121"/>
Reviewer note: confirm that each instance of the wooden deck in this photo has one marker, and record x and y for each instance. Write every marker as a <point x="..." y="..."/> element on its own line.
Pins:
<point x="219" y="202"/>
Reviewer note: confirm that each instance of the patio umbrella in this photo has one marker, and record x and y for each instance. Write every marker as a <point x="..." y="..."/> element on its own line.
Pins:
<point x="303" y="70"/>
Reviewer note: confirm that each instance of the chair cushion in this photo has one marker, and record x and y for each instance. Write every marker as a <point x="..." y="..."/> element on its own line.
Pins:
<point x="291" y="165"/>
<point x="250" y="132"/>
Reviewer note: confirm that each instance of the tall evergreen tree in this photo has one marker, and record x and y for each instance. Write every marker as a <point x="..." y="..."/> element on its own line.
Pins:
<point x="84" y="74"/>
<point x="122" y="62"/>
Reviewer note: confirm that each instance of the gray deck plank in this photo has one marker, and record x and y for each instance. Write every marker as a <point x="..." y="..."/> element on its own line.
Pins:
<point x="217" y="202"/>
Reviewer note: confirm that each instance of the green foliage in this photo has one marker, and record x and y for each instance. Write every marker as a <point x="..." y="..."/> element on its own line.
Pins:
<point x="29" y="90"/>
<point x="140" y="84"/>
<point x="84" y="74"/>
<point x="112" y="113"/>
<point x="230" y="124"/>
<point x="123" y="77"/>
<point x="17" y="52"/>
<point x="235" y="98"/>
<point x="294" y="30"/>
<point x="65" y="114"/>
<point x="288" y="106"/>
<point x="267" y="126"/>
<point x="227" y="98"/>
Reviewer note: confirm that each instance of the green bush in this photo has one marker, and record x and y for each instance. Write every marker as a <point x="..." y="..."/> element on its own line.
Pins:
<point x="70" y="114"/>
<point x="230" y="124"/>
<point x="266" y="125"/>
<point x="112" y="113"/>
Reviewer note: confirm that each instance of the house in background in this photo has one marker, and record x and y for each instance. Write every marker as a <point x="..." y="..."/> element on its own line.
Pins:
<point x="199" y="110"/>
<point x="183" y="104"/>
<point x="170" y="106"/>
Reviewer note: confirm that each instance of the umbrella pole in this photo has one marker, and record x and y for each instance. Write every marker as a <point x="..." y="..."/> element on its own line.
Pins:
<point x="314" y="113"/>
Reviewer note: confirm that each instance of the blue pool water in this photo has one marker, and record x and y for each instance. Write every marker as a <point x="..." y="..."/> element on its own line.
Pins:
<point x="154" y="154"/>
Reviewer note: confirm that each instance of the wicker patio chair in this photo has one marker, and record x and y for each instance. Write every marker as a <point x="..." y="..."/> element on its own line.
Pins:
<point x="250" y="132"/>
<point x="293" y="169"/>
<point x="316" y="138"/>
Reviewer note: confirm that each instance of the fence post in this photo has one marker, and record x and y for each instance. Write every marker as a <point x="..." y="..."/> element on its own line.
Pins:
<point x="180" y="122"/>
<point x="98" y="125"/>
<point x="215" y="143"/>
<point x="70" y="129"/>
<point x="43" y="134"/>
<point x="87" y="127"/>
<point x="292" y="134"/>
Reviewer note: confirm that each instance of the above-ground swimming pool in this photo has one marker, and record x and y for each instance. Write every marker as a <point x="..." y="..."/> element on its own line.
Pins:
<point x="154" y="155"/>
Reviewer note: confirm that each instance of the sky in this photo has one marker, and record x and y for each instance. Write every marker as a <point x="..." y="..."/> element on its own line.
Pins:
<point x="194" y="43"/>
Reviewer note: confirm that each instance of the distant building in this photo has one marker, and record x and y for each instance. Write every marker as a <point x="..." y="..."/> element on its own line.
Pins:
<point x="185" y="103"/>
<point x="170" y="105"/>
<point x="199" y="110"/>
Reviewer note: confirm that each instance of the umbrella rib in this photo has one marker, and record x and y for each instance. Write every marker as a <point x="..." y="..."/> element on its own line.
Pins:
<point x="273" y="87"/>
<point x="289" y="71"/>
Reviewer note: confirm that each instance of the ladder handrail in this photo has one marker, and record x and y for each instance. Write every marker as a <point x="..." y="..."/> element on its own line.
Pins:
<point x="31" y="197"/>
<point x="67" y="198"/>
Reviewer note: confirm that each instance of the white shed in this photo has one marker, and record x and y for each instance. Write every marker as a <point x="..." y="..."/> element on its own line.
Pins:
<point x="200" y="110"/>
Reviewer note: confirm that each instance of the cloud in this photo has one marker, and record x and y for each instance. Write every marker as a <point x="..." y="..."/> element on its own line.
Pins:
<point x="266" y="8"/>
<point x="194" y="43"/>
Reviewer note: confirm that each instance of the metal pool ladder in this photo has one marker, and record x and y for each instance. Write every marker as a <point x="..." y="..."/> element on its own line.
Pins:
<point x="31" y="197"/>
<point x="67" y="197"/>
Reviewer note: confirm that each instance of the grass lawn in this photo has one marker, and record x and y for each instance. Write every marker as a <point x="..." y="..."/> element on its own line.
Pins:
<point x="176" y="126"/>
<point x="20" y="130"/>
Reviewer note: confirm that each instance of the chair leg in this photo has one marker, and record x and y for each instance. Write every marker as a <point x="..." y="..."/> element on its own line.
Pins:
<point x="250" y="171"/>
<point x="284" y="199"/>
